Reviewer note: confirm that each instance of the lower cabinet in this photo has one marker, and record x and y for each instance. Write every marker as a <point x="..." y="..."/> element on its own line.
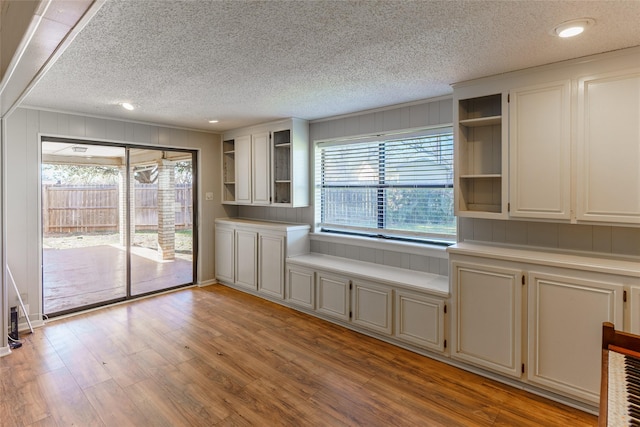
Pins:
<point x="332" y="295"/>
<point x="300" y="287"/>
<point x="403" y="315"/>
<point x="271" y="261"/>
<point x="251" y="254"/>
<point x="565" y="331"/>
<point x="419" y="320"/>
<point x="487" y="313"/>
<point x="246" y="271"/>
<point x="537" y="316"/>
<point x="372" y="306"/>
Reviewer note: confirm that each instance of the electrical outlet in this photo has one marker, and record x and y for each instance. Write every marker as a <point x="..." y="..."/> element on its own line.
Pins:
<point x="21" y="313"/>
<point x="208" y="196"/>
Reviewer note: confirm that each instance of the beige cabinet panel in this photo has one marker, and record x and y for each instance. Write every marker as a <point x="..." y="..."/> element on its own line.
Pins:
<point x="243" y="169"/>
<point x="271" y="255"/>
<point x="300" y="286"/>
<point x="246" y="257"/>
<point x="609" y="148"/>
<point x="419" y="320"/>
<point x="332" y="295"/>
<point x="565" y="331"/>
<point x="224" y="256"/>
<point x="487" y="317"/>
<point x="372" y="306"/>
<point x="540" y="142"/>
<point x="261" y="172"/>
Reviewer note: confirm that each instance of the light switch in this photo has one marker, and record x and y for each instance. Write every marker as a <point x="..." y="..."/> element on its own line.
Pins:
<point x="208" y="196"/>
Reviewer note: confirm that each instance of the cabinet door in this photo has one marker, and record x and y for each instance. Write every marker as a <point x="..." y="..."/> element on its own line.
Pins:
<point x="372" y="306"/>
<point x="332" y="295"/>
<point x="420" y="320"/>
<point x="300" y="289"/>
<point x="634" y="311"/>
<point x="487" y="317"/>
<point x="261" y="176"/>
<point x="243" y="169"/>
<point x="608" y="183"/>
<point x="565" y="332"/>
<point x="539" y="124"/>
<point x="224" y="246"/>
<point x="246" y="258"/>
<point x="271" y="265"/>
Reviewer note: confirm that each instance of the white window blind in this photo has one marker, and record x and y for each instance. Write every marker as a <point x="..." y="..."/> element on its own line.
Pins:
<point x="392" y="187"/>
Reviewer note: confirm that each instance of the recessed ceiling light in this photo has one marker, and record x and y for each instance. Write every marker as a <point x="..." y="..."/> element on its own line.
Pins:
<point x="573" y="27"/>
<point x="79" y="149"/>
<point x="213" y="121"/>
<point x="127" y="106"/>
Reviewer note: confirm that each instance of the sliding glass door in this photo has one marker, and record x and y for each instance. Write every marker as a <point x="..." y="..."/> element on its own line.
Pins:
<point x="117" y="222"/>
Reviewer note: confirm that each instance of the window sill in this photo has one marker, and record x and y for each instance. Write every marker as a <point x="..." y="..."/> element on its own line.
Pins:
<point x="425" y="249"/>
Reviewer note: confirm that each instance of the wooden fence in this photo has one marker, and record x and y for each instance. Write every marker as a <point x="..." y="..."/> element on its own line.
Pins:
<point x="94" y="208"/>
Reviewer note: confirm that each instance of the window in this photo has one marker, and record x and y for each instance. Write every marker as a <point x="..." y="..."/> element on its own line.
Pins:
<point x="393" y="187"/>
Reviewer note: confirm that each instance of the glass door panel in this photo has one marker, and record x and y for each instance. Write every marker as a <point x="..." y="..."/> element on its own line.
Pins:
<point x="84" y="252"/>
<point x="161" y="219"/>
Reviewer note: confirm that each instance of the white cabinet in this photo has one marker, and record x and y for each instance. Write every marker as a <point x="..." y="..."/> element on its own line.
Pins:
<point x="405" y="306"/>
<point x="372" y="306"/>
<point x="545" y="309"/>
<point x="270" y="271"/>
<point x="332" y="295"/>
<point x="269" y="164"/>
<point x="540" y="147"/>
<point x="419" y="320"/>
<point x="225" y="253"/>
<point x="251" y="254"/>
<point x="487" y="316"/>
<point x="609" y="148"/>
<point x="565" y="331"/>
<point x="300" y="286"/>
<point x="246" y="256"/>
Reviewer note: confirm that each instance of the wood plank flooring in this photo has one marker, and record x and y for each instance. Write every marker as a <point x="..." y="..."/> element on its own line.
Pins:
<point x="216" y="356"/>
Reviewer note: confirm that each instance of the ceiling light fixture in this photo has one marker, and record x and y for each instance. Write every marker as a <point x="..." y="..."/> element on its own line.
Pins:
<point x="573" y="27"/>
<point x="213" y="121"/>
<point x="127" y="106"/>
<point x="78" y="149"/>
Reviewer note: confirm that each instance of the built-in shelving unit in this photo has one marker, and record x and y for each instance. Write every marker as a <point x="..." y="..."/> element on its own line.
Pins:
<point x="480" y="157"/>
<point x="228" y="171"/>
<point x="267" y="164"/>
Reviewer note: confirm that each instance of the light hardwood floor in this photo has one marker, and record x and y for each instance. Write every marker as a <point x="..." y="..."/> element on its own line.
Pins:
<point x="216" y="356"/>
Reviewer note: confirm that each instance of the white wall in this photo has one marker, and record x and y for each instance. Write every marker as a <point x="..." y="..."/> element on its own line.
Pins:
<point x="23" y="187"/>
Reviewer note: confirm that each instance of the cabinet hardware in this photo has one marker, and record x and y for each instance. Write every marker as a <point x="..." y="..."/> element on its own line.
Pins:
<point x="624" y="296"/>
<point x="523" y="368"/>
<point x="509" y="207"/>
<point x="445" y="309"/>
<point x="350" y="285"/>
<point x="445" y="343"/>
<point x="523" y="280"/>
<point x="508" y="97"/>
<point x="350" y="315"/>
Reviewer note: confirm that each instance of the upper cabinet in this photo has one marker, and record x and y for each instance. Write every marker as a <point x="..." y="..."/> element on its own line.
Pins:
<point x="540" y="148"/>
<point x="481" y="156"/>
<point x="267" y="164"/>
<point x="559" y="142"/>
<point x="609" y="148"/>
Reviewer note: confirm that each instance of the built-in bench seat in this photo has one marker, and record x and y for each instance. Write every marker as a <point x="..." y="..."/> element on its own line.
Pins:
<point x="420" y="281"/>
<point x="402" y="306"/>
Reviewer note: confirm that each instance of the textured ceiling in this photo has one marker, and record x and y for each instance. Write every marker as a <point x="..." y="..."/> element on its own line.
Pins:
<point x="246" y="62"/>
